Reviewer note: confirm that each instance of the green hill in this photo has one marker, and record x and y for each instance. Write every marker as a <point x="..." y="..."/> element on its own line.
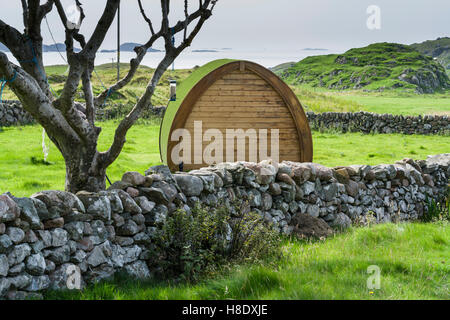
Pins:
<point x="438" y="49"/>
<point x="377" y="67"/>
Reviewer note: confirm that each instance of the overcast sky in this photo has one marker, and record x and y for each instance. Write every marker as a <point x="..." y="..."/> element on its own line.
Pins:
<point x="274" y="24"/>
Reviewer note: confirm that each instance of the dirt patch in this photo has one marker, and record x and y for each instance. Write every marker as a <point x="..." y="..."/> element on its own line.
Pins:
<point x="307" y="227"/>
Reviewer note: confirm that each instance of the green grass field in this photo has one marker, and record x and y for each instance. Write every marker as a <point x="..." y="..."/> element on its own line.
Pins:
<point x="321" y="100"/>
<point x="22" y="177"/>
<point x="414" y="260"/>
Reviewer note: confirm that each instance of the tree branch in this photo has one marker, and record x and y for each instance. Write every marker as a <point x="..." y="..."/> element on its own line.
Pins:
<point x="120" y="135"/>
<point x="149" y="22"/>
<point x="33" y="99"/>
<point x="141" y="51"/>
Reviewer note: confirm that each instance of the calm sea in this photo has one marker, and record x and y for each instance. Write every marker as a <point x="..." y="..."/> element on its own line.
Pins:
<point x="190" y="59"/>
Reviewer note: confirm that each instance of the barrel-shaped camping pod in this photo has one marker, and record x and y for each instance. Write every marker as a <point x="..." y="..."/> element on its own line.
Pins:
<point x="232" y="110"/>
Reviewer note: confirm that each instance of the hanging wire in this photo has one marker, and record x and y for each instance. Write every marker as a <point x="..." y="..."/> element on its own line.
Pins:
<point x="56" y="45"/>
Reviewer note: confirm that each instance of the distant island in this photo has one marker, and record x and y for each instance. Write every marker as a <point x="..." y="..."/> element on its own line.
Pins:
<point x="129" y="47"/>
<point x="314" y="49"/>
<point x="61" y="47"/>
<point x="205" y="50"/>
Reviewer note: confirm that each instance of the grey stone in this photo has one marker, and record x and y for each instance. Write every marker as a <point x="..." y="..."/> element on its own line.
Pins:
<point x="46" y="237"/>
<point x="29" y="212"/>
<point x="59" y="237"/>
<point x="138" y="270"/>
<point x="341" y="222"/>
<point x="329" y="192"/>
<point x="58" y="255"/>
<point x="39" y="283"/>
<point x="161" y="192"/>
<point x="119" y="185"/>
<point x="4" y="265"/>
<point x="58" y="203"/>
<point x="17" y="269"/>
<point x="96" y="205"/>
<point x="15" y="234"/>
<point x="5" y="243"/>
<point x="21" y="281"/>
<point x="96" y="257"/>
<point x="75" y="230"/>
<point x="308" y="188"/>
<point x="313" y="210"/>
<point x="130" y="228"/>
<point x="35" y="264"/>
<point x="129" y="205"/>
<point x="9" y="211"/>
<point x="158" y="215"/>
<point x="115" y="202"/>
<point x="134" y="178"/>
<point x="190" y="185"/>
<point x="18" y="254"/>
<point x="145" y="204"/>
<point x="5" y="284"/>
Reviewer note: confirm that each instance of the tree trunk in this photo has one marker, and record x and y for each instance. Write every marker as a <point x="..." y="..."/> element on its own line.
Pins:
<point x="84" y="173"/>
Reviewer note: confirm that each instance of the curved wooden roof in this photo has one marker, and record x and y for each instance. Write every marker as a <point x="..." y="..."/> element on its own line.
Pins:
<point x="299" y="137"/>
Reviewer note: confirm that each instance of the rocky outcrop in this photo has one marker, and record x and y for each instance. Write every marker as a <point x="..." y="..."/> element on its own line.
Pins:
<point x="57" y="240"/>
<point x="367" y="122"/>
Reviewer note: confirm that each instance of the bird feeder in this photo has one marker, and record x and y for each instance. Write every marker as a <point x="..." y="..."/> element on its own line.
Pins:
<point x="173" y="90"/>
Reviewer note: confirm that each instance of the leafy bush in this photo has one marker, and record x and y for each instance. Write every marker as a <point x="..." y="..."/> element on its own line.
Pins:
<point x="191" y="244"/>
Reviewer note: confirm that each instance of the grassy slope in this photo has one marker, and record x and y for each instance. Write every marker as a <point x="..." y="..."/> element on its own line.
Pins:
<point x="439" y="48"/>
<point x="377" y="66"/>
<point x="57" y="75"/>
<point x="20" y="176"/>
<point x="413" y="258"/>
<point x="321" y="100"/>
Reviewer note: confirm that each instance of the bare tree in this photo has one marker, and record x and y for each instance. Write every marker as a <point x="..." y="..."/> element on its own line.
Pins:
<point x="69" y="124"/>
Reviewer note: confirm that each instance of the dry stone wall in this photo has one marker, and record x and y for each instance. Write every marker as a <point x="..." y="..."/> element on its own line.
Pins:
<point x="367" y="122"/>
<point x="11" y="113"/>
<point x="45" y="238"/>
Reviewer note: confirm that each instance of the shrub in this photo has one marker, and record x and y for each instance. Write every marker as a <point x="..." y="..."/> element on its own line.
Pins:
<point x="437" y="210"/>
<point x="191" y="244"/>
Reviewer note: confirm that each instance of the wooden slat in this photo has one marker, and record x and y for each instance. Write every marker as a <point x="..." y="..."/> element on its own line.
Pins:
<point x="240" y="82"/>
<point x="232" y="87"/>
<point x="258" y="93"/>
<point x="230" y="115"/>
<point x="241" y="76"/>
<point x="238" y="103"/>
<point x="274" y="98"/>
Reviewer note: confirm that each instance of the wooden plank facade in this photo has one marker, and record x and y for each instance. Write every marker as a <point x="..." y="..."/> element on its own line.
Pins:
<point x="243" y="95"/>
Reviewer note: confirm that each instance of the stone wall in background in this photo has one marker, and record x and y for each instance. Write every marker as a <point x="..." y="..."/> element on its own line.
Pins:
<point x="45" y="238"/>
<point x="11" y="113"/>
<point x="367" y="122"/>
